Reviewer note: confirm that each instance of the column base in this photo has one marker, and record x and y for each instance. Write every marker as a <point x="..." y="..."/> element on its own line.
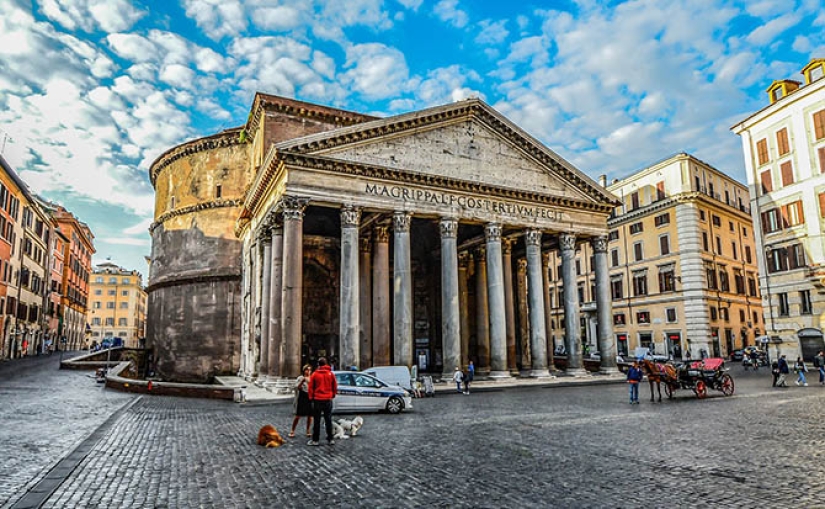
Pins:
<point x="610" y="370"/>
<point x="499" y="375"/>
<point x="578" y="373"/>
<point x="540" y="373"/>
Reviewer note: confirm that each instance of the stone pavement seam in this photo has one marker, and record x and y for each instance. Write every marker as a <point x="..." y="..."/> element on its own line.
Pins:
<point x="40" y="492"/>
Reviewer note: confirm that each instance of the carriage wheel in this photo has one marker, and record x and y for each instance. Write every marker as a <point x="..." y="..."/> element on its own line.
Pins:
<point x="669" y="391"/>
<point x="726" y="385"/>
<point x="701" y="389"/>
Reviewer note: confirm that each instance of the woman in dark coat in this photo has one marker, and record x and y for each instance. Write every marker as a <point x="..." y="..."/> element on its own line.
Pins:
<point x="302" y="406"/>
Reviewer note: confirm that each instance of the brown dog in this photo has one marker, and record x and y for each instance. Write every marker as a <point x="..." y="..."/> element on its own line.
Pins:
<point x="269" y="437"/>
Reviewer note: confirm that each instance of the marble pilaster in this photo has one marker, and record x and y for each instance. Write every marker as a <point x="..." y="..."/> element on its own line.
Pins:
<point x="349" y="307"/>
<point x="381" y="321"/>
<point x="572" y="317"/>
<point x="365" y="302"/>
<point x="604" y="307"/>
<point x="535" y="296"/>
<point x="450" y="320"/>
<point x="291" y="303"/>
<point x="495" y="296"/>
<point x="402" y="290"/>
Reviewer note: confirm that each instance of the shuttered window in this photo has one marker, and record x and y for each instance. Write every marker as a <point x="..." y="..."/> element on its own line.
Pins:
<point x="792" y="214"/>
<point x="782" y="141"/>
<point x="821" y="152"/>
<point x="762" y="151"/>
<point x="819" y="124"/>
<point x="786" y="169"/>
<point x="821" y="204"/>
<point x="767" y="181"/>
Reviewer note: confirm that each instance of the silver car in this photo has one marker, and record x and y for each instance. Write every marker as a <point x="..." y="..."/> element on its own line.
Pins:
<point x="360" y="392"/>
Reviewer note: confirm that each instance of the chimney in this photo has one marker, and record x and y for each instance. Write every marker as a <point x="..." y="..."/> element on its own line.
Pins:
<point x="603" y="180"/>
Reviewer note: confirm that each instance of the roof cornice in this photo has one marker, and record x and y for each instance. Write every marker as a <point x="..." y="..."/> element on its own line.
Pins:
<point x="225" y="138"/>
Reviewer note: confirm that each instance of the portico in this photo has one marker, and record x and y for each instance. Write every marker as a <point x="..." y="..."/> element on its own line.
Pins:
<point x="406" y="234"/>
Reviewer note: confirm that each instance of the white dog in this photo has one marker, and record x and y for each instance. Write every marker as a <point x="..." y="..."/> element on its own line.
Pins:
<point x="343" y="427"/>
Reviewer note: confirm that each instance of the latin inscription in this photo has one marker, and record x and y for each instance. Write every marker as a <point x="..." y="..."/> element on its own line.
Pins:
<point x="465" y="202"/>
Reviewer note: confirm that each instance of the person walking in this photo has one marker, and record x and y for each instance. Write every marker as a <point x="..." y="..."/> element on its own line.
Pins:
<point x="301" y="406"/>
<point x="634" y="376"/>
<point x="801" y="370"/>
<point x="774" y="372"/>
<point x="458" y="377"/>
<point x="783" y="371"/>
<point x="468" y="377"/>
<point x="322" y="389"/>
<point x="819" y="364"/>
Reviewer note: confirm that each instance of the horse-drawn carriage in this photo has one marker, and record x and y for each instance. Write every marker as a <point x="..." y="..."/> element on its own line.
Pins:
<point x="698" y="376"/>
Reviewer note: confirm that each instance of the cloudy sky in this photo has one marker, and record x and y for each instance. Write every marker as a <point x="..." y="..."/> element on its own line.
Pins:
<point x="92" y="91"/>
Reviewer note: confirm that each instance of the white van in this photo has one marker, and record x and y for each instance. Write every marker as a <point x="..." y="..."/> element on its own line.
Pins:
<point x="392" y="375"/>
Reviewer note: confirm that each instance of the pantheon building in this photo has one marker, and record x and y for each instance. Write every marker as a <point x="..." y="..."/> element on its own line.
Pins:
<point x="419" y="239"/>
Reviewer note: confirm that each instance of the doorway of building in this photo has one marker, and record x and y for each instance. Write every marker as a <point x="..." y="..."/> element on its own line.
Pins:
<point x="810" y="342"/>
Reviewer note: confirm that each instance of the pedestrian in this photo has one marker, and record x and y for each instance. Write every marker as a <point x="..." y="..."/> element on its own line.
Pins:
<point x="774" y="372"/>
<point x="783" y="370"/>
<point x="322" y="389"/>
<point x="468" y="377"/>
<point x="301" y="406"/>
<point x="801" y="370"/>
<point x="754" y="355"/>
<point x="634" y="376"/>
<point x="458" y="377"/>
<point x="819" y="363"/>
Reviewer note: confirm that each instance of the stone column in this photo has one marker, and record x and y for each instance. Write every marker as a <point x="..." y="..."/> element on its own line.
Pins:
<point x="535" y="296"/>
<point x="402" y="290"/>
<point x="482" y="315"/>
<point x="450" y="322"/>
<point x="365" y="301"/>
<point x="381" y="298"/>
<point x="524" y="314"/>
<point x="463" y="308"/>
<point x="509" y="309"/>
<point x="495" y="296"/>
<point x="276" y="343"/>
<point x="572" y="324"/>
<point x="293" y="281"/>
<point x="349" y="340"/>
<point x="548" y="312"/>
<point x="266" y="294"/>
<point x="604" y="307"/>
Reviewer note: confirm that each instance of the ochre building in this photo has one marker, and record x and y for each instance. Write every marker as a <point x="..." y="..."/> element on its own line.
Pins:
<point x="313" y="231"/>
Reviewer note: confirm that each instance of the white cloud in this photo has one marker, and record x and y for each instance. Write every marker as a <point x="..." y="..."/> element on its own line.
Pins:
<point x="278" y="18"/>
<point x="492" y="32"/>
<point x="178" y="76"/>
<point x="124" y="241"/>
<point x="770" y="30"/>
<point x="411" y="4"/>
<point x="448" y="11"/>
<point x="376" y="71"/>
<point x="88" y="15"/>
<point x="218" y="18"/>
<point x="133" y="47"/>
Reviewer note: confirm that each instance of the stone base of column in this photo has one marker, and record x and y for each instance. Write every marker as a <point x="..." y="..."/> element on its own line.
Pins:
<point x="610" y="371"/>
<point x="515" y="372"/>
<point x="540" y="373"/>
<point x="578" y="373"/>
<point x="499" y="375"/>
<point x="482" y="372"/>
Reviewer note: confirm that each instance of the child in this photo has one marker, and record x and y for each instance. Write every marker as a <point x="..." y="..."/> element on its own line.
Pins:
<point x="458" y="377"/>
<point x="634" y="376"/>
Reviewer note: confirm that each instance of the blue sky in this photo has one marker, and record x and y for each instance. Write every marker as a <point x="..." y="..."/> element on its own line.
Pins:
<point x="92" y="91"/>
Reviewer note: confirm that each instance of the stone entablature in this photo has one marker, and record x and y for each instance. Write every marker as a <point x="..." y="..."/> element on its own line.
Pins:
<point x="223" y="139"/>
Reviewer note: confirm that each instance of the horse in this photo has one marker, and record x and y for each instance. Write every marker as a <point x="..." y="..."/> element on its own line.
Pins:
<point x="657" y="373"/>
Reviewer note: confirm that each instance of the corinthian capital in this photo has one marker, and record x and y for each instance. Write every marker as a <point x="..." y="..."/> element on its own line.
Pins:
<point x="401" y="221"/>
<point x="365" y="242"/>
<point x="506" y="246"/>
<point x="449" y="227"/>
<point x="532" y="237"/>
<point x="492" y="232"/>
<point x="567" y="241"/>
<point x="350" y="216"/>
<point x="293" y="207"/>
<point x="599" y="244"/>
<point x="382" y="234"/>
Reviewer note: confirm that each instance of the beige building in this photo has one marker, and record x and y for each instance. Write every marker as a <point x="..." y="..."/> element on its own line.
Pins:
<point x="683" y="270"/>
<point x="784" y="148"/>
<point x="118" y="305"/>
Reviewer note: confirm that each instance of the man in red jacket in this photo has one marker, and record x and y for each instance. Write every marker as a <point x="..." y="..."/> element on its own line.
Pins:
<point x="322" y="389"/>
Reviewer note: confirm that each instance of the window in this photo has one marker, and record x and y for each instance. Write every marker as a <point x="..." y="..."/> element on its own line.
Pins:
<point x="578" y="267"/>
<point x="580" y="289"/>
<point x="98" y="291"/>
<point x="664" y="244"/>
<point x="771" y="221"/>
<point x="782" y="141"/>
<point x="755" y="317"/>
<point x="643" y="317"/>
<point x="792" y="214"/>
<point x="776" y="259"/>
<point x="122" y="322"/>
<point x="724" y="282"/>
<point x="711" y="274"/>
<point x="748" y="256"/>
<point x="125" y="281"/>
<point x="742" y="316"/>
<point x="662" y="219"/>
<point x="796" y="257"/>
<point x="638" y="252"/>
<point x="705" y="241"/>
<point x="724" y="313"/>
<point x="820" y="152"/>
<point x="701" y="215"/>
<point x="95" y="321"/>
<point x="112" y="280"/>
<point x="639" y="283"/>
<point x="805" y="305"/>
<point x="667" y="280"/>
<point x="110" y="321"/>
<point x="717" y="221"/>
<point x="614" y="257"/>
<point x="634" y="200"/>
<point x="96" y="305"/>
<point x="786" y="170"/>
<point x="124" y="305"/>
<point x="739" y="282"/>
<point x="670" y="315"/>
<point x="124" y="293"/>
<point x="613" y="235"/>
<point x="718" y="245"/>
<point x="819" y="124"/>
<point x="767" y="181"/>
<point x="617" y="289"/>
<point x="734" y="250"/>
<point x="784" y="308"/>
<point x="744" y="231"/>
<point x="636" y="228"/>
<point x="619" y="319"/>
<point x="112" y="292"/>
<point x="752" y="286"/>
<point x="218" y="191"/>
<point x="110" y="305"/>
<point x="713" y="313"/>
<point x="660" y="190"/>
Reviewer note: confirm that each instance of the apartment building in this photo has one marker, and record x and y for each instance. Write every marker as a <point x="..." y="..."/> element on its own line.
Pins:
<point x="10" y="194"/>
<point x="77" y="267"/>
<point x="683" y="273"/>
<point x="118" y="305"/>
<point x="784" y="150"/>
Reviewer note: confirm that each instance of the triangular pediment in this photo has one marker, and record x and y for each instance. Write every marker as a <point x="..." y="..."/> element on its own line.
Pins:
<point x="466" y="141"/>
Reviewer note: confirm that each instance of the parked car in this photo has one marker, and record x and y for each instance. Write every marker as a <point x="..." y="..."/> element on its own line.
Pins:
<point x="111" y="343"/>
<point x="392" y="375"/>
<point x="737" y="355"/>
<point x="360" y="392"/>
